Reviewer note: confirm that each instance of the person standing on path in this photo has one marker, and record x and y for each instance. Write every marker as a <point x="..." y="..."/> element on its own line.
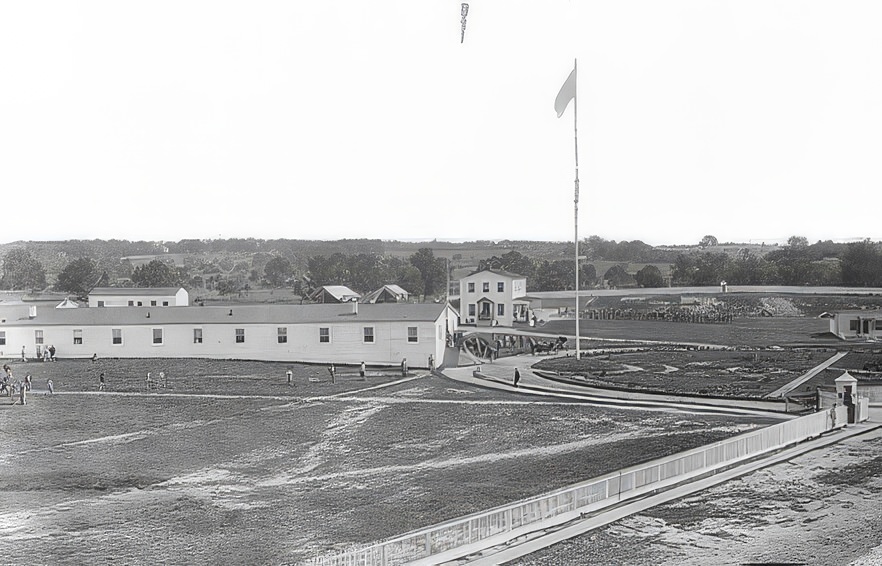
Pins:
<point x="22" y="393"/>
<point x="49" y="386"/>
<point x="149" y="381"/>
<point x="404" y="367"/>
<point x="517" y="377"/>
<point x="290" y="375"/>
<point x="362" y="371"/>
<point x="101" y="382"/>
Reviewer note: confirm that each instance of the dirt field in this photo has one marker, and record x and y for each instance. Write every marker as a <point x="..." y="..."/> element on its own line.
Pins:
<point x="821" y="508"/>
<point x="243" y="471"/>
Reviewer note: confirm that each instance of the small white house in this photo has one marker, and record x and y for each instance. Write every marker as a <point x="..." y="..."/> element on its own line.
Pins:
<point x="489" y="297"/>
<point x="857" y="324"/>
<point x="139" y="297"/>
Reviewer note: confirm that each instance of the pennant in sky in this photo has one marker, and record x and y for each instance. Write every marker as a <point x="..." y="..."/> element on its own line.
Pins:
<point x="464" y="11"/>
<point x="567" y="93"/>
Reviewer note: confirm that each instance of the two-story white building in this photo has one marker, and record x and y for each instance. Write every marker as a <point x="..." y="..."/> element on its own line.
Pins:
<point x="139" y="297"/>
<point x="493" y="297"/>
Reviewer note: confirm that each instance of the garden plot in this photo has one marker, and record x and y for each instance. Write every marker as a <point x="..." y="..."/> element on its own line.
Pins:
<point x="703" y="372"/>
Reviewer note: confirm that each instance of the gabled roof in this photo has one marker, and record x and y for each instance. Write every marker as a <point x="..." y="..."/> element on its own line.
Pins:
<point x="141" y="291"/>
<point x="497" y="272"/>
<point x="340" y="292"/>
<point x="394" y="290"/>
<point x="241" y="314"/>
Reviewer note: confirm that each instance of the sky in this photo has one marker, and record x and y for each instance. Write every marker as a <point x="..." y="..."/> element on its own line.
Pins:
<point x="748" y="120"/>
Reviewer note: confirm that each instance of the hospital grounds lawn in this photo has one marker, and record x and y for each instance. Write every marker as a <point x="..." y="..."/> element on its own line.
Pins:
<point x="229" y="465"/>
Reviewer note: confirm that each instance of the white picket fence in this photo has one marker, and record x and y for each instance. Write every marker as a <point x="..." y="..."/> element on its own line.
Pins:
<point x="467" y="534"/>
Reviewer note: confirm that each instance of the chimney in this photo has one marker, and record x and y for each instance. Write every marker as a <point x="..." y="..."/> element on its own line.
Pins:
<point x="32" y="311"/>
<point x="355" y="306"/>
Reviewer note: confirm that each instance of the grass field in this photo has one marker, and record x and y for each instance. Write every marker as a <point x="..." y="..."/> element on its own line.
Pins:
<point x="228" y="465"/>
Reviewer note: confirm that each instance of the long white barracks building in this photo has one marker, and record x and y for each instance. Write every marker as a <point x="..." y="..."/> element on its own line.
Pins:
<point x="347" y="333"/>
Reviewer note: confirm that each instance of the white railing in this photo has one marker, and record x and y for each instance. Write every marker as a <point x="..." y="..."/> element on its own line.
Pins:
<point x="466" y="534"/>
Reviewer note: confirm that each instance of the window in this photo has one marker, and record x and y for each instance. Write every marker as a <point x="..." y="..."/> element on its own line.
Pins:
<point x="78" y="336"/>
<point x="368" y="334"/>
<point x="500" y="287"/>
<point x="412" y="334"/>
<point x="157" y="336"/>
<point x="38" y="336"/>
<point x="116" y="335"/>
<point x="472" y="309"/>
<point x="240" y="336"/>
<point x="282" y="335"/>
<point x="853" y="325"/>
<point x="879" y="324"/>
<point x="165" y="303"/>
<point x="140" y="304"/>
<point x="2" y="337"/>
<point x="500" y="309"/>
<point x="100" y="303"/>
<point x="486" y="286"/>
<point x="152" y="303"/>
<point x="472" y="287"/>
<point x="197" y="336"/>
<point x="324" y="335"/>
<point x="131" y="303"/>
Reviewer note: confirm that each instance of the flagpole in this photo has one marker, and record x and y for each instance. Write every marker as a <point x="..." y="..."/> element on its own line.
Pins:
<point x="576" y="199"/>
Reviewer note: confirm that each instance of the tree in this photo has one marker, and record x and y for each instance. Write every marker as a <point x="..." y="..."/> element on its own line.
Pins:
<point x="683" y="270"/>
<point x="861" y="265"/>
<point x="650" y="276"/>
<point x="155" y="274"/>
<point x="558" y="275"/>
<point x="78" y="277"/>
<point x="708" y="241"/>
<point x="277" y="271"/>
<point x="618" y="277"/>
<point x="587" y="275"/>
<point x="431" y="268"/>
<point x="22" y="271"/>
<point x="797" y="241"/>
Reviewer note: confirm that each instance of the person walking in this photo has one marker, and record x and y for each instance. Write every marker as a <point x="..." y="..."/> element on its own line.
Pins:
<point x="22" y="393"/>
<point x="149" y="381"/>
<point x="290" y="375"/>
<point x="404" y="367"/>
<point x="362" y="371"/>
<point x="101" y="383"/>
<point x="517" y="377"/>
<point x="52" y="352"/>
<point x="49" y="386"/>
<point x="28" y="381"/>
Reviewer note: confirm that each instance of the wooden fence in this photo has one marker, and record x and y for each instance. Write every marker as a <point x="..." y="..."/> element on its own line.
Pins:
<point x="464" y="535"/>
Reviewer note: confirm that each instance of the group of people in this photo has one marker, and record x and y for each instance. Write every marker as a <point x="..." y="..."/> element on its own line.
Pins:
<point x="151" y="384"/>
<point x="9" y="386"/>
<point x="44" y="355"/>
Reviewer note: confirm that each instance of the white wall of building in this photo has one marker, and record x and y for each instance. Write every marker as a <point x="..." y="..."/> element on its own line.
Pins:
<point x="346" y="345"/>
<point x="471" y="297"/>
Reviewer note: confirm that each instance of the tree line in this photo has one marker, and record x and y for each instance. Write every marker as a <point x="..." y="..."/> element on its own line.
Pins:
<point x="857" y="264"/>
